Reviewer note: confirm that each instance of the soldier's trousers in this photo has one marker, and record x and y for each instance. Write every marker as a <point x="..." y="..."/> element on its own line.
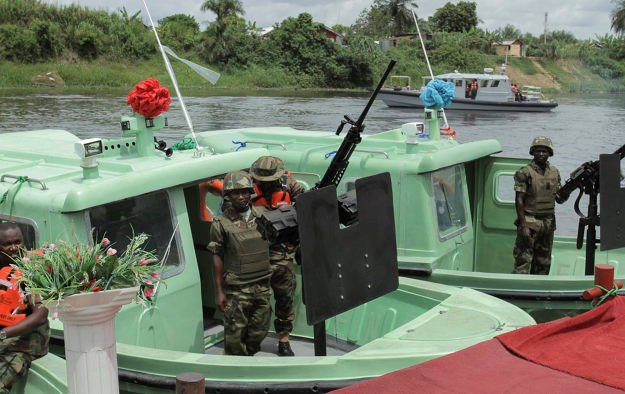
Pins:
<point x="533" y="255"/>
<point x="246" y="317"/>
<point x="12" y="366"/>
<point x="283" y="284"/>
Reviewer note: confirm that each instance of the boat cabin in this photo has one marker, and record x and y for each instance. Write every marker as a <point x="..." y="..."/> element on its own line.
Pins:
<point x="490" y="87"/>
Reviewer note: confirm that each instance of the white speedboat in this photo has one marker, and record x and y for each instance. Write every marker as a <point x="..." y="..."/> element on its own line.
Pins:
<point x="494" y="93"/>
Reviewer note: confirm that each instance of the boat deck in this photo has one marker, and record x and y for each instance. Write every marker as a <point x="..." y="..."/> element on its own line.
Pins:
<point x="301" y="346"/>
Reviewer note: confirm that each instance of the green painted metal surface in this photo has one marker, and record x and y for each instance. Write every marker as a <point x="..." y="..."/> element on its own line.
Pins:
<point x="459" y="235"/>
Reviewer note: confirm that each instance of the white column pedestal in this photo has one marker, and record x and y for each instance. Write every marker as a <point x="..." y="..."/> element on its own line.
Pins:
<point x="89" y="331"/>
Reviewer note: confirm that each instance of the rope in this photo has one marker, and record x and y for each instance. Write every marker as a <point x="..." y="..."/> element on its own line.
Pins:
<point x="20" y="180"/>
<point x="242" y="144"/>
<point x="607" y="294"/>
<point x="185" y="144"/>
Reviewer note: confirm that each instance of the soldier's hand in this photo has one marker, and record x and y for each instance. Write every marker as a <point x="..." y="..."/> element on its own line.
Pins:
<point x="526" y="232"/>
<point x="221" y="301"/>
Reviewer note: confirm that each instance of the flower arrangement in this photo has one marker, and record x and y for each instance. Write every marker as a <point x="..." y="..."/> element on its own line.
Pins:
<point x="62" y="269"/>
<point x="149" y="98"/>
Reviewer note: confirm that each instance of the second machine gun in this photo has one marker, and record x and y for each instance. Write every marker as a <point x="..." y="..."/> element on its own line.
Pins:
<point x="280" y="225"/>
<point x="586" y="179"/>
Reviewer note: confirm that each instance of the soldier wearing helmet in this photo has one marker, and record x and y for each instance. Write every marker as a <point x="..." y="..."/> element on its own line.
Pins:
<point x="274" y="186"/>
<point x="535" y="186"/>
<point x="241" y="268"/>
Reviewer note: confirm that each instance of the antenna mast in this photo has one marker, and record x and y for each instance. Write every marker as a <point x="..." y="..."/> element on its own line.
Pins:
<point x="545" y="34"/>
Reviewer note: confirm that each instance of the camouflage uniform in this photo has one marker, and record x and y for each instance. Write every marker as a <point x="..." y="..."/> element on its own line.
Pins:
<point x="246" y="279"/>
<point x="283" y="280"/>
<point x="17" y="353"/>
<point x="533" y="256"/>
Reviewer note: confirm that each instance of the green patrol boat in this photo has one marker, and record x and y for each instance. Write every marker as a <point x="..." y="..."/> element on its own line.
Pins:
<point x="57" y="186"/>
<point x="454" y="209"/>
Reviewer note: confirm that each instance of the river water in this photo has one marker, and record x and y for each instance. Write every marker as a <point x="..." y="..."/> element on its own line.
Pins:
<point x="581" y="127"/>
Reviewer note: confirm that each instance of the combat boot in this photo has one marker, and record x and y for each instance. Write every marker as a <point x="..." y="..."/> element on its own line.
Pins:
<point x="284" y="349"/>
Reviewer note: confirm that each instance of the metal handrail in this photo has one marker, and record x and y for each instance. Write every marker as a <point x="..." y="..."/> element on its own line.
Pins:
<point x="373" y="151"/>
<point x="28" y="179"/>
<point x="267" y="143"/>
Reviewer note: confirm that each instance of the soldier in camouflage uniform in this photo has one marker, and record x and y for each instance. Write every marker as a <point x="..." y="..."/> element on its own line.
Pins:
<point x="27" y="339"/>
<point x="535" y="186"/>
<point x="274" y="186"/>
<point x="241" y="269"/>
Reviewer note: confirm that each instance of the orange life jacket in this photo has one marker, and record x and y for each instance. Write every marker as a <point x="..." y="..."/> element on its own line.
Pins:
<point x="278" y="197"/>
<point x="11" y="299"/>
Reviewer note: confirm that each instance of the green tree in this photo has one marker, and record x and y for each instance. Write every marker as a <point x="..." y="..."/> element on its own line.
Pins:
<point x="460" y="17"/>
<point x="298" y="45"/>
<point x="618" y="17"/>
<point x="222" y="35"/>
<point x="386" y="18"/>
<point x="508" y="32"/>
<point x="179" y="31"/>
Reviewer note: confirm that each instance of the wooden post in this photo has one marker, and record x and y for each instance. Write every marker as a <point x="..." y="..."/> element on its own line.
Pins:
<point x="190" y="383"/>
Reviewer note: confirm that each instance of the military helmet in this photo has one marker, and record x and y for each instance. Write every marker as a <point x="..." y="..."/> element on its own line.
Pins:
<point x="237" y="180"/>
<point x="543" y="141"/>
<point x="267" y="168"/>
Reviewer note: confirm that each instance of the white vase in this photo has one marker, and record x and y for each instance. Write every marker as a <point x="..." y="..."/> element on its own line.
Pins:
<point x="89" y="331"/>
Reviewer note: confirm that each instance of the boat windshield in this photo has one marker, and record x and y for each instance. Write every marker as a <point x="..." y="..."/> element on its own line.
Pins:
<point x="148" y="213"/>
<point x="449" y="202"/>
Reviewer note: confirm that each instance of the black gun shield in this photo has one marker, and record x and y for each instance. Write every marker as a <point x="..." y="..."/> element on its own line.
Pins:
<point x="611" y="202"/>
<point x="344" y="268"/>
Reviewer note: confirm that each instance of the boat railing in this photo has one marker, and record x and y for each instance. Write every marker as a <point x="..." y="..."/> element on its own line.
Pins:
<point x="266" y="143"/>
<point x="28" y="179"/>
<point x="400" y="82"/>
<point x="381" y="152"/>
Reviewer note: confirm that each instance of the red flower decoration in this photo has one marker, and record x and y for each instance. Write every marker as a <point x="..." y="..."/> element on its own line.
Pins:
<point x="149" y="98"/>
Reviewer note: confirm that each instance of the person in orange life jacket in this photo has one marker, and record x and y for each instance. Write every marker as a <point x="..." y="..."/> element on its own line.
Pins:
<point x="515" y="91"/>
<point x="474" y="89"/>
<point x="24" y="333"/>
<point x="274" y="186"/>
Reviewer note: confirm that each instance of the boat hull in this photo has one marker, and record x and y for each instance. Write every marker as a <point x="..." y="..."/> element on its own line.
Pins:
<point x="410" y="99"/>
<point x="418" y="322"/>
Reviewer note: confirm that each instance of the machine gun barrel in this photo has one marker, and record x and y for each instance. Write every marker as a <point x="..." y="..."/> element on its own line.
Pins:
<point x="340" y="161"/>
<point x="583" y="174"/>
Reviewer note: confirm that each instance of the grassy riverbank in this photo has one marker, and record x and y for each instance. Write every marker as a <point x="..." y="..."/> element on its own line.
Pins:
<point x="561" y="77"/>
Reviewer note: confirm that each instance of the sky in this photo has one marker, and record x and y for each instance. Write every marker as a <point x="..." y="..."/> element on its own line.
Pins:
<point x="585" y="19"/>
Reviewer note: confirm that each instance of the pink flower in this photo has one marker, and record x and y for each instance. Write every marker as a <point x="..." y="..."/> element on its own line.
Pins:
<point x="55" y="315"/>
<point x="143" y="261"/>
<point x="105" y="242"/>
<point x="155" y="275"/>
<point x="96" y="289"/>
<point x="148" y="292"/>
<point x="111" y="252"/>
<point x="52" y="246"/>
<point x="148" y="282"/>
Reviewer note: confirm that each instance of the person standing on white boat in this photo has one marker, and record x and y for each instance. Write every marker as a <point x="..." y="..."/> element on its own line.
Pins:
<point x="535" y="186"/>
<point x="241" y="268"/>
<point x="24" y="333"/>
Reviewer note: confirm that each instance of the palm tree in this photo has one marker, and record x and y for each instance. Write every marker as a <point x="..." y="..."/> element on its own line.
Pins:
<point x="401" y="16"/>
<point x="618" y="17"/>
<point x="223" y="8"/>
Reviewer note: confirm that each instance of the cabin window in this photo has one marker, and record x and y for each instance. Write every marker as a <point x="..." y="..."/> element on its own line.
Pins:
<point x="504" y="191"/>
<point x="29" y="234"/>
<point x="484" y="83"/>
<point x="495" y="84"/>
<point x="149" y="213"/>
<point x="449" y="201"/>
<point x="459" y="82"/>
